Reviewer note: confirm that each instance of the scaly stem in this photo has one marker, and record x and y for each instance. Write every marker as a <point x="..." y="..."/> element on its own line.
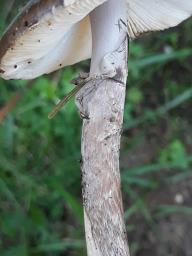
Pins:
<point x="104" y="103"/>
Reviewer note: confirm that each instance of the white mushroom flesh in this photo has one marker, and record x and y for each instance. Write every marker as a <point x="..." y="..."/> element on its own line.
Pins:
<point x="63" y="36"/>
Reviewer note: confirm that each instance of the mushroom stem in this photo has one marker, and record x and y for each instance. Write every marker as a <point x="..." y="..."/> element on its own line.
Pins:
<point x="103" y="101"/>
<point x="108" y="31"/>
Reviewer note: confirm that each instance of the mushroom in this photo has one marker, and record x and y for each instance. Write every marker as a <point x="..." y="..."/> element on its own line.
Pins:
<point x="51" y="34"/>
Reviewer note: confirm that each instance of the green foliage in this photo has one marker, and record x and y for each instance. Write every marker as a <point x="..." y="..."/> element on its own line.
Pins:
<point x="40" y="186"/>
<point x="174" y="153"/>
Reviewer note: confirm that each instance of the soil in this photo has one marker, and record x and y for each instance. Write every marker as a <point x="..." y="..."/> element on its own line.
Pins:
<point x="162" y="235"/>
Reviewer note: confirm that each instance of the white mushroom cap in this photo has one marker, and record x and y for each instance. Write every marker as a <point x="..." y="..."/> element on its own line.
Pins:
<point x="51" y="34"/>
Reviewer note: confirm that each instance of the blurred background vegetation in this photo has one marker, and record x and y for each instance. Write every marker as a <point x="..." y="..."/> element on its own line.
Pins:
<point x="40" y="185"/>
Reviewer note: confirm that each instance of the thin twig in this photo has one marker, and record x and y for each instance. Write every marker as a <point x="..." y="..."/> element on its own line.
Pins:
<point x="62" y="102"/>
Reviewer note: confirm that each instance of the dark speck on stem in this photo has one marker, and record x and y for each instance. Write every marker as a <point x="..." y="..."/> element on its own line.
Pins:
<point x="26" y="24"/>
<point x="2" y="71"/>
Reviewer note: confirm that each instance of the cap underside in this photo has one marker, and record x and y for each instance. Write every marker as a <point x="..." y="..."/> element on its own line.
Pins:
<point x="61" y="33"/>
<point x="58" y="38"/>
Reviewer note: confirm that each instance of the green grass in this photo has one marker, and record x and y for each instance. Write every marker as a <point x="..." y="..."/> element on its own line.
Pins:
<point x="40" y="184"/>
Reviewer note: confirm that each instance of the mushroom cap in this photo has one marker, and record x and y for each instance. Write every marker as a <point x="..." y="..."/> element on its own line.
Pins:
<point x="48" y="35"/>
